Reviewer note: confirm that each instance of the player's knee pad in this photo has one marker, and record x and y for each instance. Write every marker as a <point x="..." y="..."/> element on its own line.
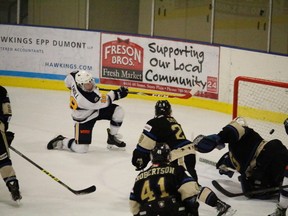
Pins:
<point x="7" y="171"/>
<point x="118" y="114"/>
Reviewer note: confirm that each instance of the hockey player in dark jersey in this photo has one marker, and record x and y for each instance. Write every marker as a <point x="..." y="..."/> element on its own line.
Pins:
<point x="164" y="128"/>
<point x="6" y="169"/>
<point x="88" y="106"/>
<point x="283" y="199"/>
<point x="166" y="189"/>
<point x="261" y="163"/>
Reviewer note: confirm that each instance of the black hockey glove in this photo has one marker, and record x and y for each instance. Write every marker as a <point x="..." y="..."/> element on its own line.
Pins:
<point x="121" y="92"/>
<point x="192" y="205"/>
<point x="140" y="159"/>
<point x="286" y="125"/>
<point x="10" y="137"/>
<point x="223" y="164"/>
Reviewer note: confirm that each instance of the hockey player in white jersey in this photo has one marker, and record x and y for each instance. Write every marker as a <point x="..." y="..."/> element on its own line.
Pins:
<point x="88" y="106"/>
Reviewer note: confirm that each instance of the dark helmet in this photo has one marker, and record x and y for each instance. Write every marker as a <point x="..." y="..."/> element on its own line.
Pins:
<point x="163" y="107"/>
<point x="160" y="153"/>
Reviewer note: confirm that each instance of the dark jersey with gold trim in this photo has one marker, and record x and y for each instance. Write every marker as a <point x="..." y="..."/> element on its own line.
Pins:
<point x="242" y="145"/>
<point x="5" y="107"/>
<point x="160" y="181"/>
<point x="164" y="129"/>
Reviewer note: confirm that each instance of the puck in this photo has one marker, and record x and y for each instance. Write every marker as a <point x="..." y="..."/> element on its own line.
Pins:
<point x="272" y="131"/>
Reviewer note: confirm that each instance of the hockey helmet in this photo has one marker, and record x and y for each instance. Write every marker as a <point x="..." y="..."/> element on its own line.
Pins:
<point x="84" y="77"/>
<point x="163" y="107"/>
<point x="160" y="153"/>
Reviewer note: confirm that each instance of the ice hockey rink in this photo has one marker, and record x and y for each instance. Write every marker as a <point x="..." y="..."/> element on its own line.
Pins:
<point x="40" y="115"/>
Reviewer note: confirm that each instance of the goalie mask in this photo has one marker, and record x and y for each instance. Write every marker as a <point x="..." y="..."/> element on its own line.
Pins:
<point x="163" y="107"/>
<point x="160" y="153"/>
<point x="85" y="81"/>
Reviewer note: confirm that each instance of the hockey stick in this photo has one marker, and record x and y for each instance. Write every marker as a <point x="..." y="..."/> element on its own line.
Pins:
<point x="185" y="96"/>
<point x="213" y="163"/>
<point x="76" y="192"/>
<point x="248" y="193"/>
<point x="204" y="160"/>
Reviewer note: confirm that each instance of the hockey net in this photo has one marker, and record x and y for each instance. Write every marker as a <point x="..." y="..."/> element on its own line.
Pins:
<point x="264" y="105"/>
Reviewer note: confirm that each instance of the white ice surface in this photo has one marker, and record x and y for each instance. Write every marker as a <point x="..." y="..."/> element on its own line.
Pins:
<point x="40" y="115"/>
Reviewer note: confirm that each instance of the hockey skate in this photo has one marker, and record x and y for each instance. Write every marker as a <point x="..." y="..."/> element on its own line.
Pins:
<point x="56" y="143"/>
<point x="13" y="187"/>
<point x="279" y="212"/>
<point x="114" y="141"/>
<point x="224" y="209"/>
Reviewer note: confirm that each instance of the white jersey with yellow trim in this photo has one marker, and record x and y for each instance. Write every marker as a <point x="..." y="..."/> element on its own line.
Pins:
<point x="85" y="105"/>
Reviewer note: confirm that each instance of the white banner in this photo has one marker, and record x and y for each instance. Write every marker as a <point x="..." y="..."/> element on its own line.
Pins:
<point x="48" y="50"/>
<point x="159" y="64"/>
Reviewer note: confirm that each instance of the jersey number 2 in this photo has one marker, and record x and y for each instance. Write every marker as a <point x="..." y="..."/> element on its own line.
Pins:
<point x="179" y="132"/>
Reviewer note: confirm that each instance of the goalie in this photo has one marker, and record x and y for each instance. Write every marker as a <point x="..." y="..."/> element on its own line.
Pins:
<point x="261" y="163"/>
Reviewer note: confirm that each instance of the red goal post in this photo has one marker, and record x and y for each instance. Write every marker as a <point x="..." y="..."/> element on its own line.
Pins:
<point x="264" y="104"/>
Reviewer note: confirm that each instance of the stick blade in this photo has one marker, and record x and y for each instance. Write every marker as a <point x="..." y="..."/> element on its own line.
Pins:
<point x="224" y="191"/>
<point x="88" y="190"/>
<point x="186" y="96"/>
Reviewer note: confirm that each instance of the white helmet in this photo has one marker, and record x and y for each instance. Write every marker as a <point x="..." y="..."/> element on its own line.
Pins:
<point x="83" y="77"/>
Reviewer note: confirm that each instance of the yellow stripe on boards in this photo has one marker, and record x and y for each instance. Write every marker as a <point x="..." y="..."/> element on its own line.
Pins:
<point x="59" y="85"/>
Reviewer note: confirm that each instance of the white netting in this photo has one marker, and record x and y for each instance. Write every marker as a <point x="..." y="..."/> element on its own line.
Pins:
<point x="264" y="104"/>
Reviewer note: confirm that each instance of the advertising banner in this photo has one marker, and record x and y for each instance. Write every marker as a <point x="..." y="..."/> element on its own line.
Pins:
<point x="48" y="50"/>
<point x="161" y="65"/>
<point x="115" y="59"/>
